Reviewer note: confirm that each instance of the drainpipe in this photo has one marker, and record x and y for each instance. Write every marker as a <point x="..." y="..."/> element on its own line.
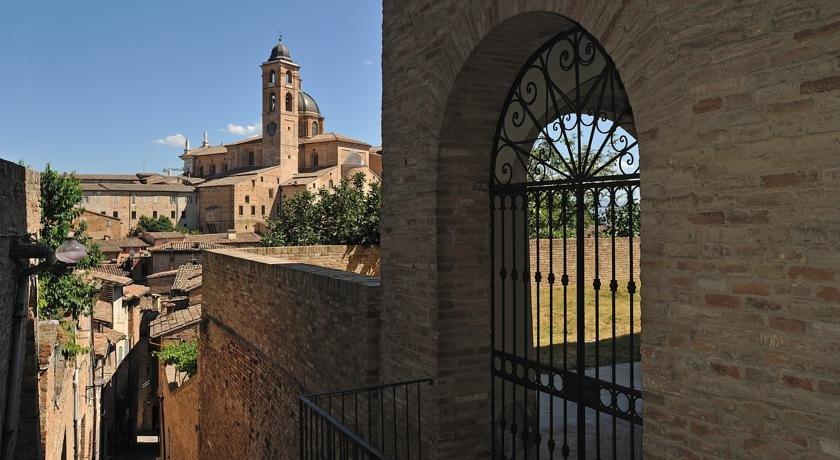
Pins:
<point x="21" y="252"/>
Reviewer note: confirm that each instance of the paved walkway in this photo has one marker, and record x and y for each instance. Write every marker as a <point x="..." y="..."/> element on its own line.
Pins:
<point x="145" y="449"/>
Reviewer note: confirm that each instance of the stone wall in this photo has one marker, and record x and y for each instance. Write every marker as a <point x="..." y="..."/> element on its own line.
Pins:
<point x="358" y="259"/>
<point x="20" y="191"/>
<point x="179" y="416"/>
<point x="737" y="113"/>
<point x="274" y="330"/>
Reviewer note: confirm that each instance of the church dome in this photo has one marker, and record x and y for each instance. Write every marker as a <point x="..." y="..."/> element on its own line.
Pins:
<point x="307" y="104"/>
<point x="280" y="51"/>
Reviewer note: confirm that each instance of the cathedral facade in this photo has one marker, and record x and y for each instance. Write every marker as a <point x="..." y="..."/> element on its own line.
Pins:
<point x="293" y="153"/>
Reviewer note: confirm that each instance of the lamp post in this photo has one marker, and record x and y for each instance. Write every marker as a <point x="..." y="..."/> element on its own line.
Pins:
<point x="24" y="248"/>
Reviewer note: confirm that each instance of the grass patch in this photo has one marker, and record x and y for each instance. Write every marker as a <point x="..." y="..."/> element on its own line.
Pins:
<point x="599" y="334"/>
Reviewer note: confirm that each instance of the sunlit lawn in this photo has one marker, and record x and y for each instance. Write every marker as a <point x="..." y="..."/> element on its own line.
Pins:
<point x="624" y="352"/>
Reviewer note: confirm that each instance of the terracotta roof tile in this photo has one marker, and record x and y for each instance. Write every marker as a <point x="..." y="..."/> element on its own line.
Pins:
<point x="175" y="321"/>
<point x="135" y="290"/>
<point x="112" y="269"/>
<point x="180" y="246"/>
<point x="107" y="277"/>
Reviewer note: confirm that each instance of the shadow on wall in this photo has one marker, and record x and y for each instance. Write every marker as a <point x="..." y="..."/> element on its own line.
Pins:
<point x="363" y="260"/>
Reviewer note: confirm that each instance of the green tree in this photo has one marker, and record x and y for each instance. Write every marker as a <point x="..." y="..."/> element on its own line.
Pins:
<point x="345" y="214"/>
<point x="184" y="355"/>
<point x="151" y="224"/>
<point x="62" y="294"/>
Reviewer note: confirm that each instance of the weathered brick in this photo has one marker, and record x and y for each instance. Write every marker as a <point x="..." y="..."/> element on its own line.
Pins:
<point x="726" y="370"/>
<point x="710" y="218"/>
<point x="751" y="287"/>
<point x="811" y="273"/>
<point x="829" y="293"/>
<point x="798" y="382"/>
<point x="707" y="105"/>
<point x="820" y="86"/>
<point x="788" y="325"/>
<point x="724" y="300"/>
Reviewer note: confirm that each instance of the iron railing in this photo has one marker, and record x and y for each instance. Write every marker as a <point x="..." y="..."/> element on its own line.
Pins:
<point x="373" y="422"/>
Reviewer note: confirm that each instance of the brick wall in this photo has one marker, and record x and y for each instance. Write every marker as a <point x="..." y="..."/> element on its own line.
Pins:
<point x="274" y="330"/>
<point x="179" y="427"/>
<point x="20" y="191"/>
<point x="605" y="253"/>
<point x="736" y="111"/>
<point x="358" y="259"/>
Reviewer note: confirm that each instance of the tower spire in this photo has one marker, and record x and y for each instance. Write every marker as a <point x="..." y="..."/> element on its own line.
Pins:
<point x="187" y="145"/>
<point x="205" y="143"/>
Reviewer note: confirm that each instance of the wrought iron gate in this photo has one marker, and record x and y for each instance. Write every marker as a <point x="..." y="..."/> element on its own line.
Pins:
<point x="565" y="309"/>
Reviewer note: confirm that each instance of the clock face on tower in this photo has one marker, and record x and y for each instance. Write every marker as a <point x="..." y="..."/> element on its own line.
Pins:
<point x="271" y="128"/>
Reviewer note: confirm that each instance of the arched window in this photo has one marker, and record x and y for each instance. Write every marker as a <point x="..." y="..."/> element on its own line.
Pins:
<point x="314" y="128"/>
<point x="272" y="77"/>
<point x="288" y="77"/>
<point x="302" y="129"/>
<point x="251" y="158"/>
<point x="314" y="160"/>
<point x="332" y="184"/>
<point x="272" y="103"/>
<point x="288" y="102"/>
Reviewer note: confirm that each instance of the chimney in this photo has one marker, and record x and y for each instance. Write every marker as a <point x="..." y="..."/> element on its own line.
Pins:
<point x="156" y="300"/>
<point x="231" y="234"/>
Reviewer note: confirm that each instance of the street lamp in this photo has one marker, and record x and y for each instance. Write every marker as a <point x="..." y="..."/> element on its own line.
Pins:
<point x="70" y="252"/>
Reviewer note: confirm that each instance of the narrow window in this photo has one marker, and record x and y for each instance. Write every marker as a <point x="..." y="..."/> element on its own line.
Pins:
<point x="133" y="215"/>
<point x="154" y="214"/>
<point x="212" y="169"/>
<point x="314" y="128"/>
<point x="253" y="183"/>
<point x="253" y="210"/>
<point x="272" y="103"/>
<point x="314" y="160"/>
<point x="116" y="214"/>
<point x="172" y="214"/>
<point x="271" y="193"/>
<point x="87" y="199"/>
<point x="240" y="210"/>
<point x="224" y="167"/>
<point x="302" y="129"/>
<point x="183" y="214"/>
<point x="272" y="77"/>
<point x="173" y="199"/>
<point x="251" y="158"/>
<point x="247" y="198"/>
<point x="332" y="185"/>
<point x="201" y="170"/>
<point x="288" y="77"/>
<point x="262" y="209"/>
<point x="102" y="212"/>
<point x="288" y="102"/>
<point x="261" y="178"/>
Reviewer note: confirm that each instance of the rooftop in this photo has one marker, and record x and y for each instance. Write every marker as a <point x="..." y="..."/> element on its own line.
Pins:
<point x="235" y="176"/>
<point x="205" y="150"/>
<point x="180" y="246"/>
<point x="116" y="279"/>
<point x="139" y="187"/>
<point x="223" y="238"/>
<point x="135" y="291"/>
<point x="175" y="321"/>
<point x="111" y="269"/>
<point x="330" y="137"/>
<point x="187" y="278"/>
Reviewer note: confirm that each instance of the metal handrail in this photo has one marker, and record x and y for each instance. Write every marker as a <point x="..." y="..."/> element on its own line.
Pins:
<point x="359" y="431"/>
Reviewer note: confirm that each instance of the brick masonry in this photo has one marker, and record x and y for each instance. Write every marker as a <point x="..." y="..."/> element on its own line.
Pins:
<point x="738" y="117"/>
<point x="20" y="191"/>
<point x="275" y="329"/>
<point x="358" y="259"/>
<point x="549" y="262"/>
<point x="180" y="416"/>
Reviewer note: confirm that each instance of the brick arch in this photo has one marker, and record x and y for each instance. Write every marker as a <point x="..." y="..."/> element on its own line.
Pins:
<point x="476" y="68"/>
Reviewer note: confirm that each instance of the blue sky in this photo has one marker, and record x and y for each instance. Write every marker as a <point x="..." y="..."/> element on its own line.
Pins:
<point x="91" y="85"/>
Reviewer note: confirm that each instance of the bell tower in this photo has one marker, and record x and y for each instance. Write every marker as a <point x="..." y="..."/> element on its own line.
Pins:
<point x="281" y="88"/>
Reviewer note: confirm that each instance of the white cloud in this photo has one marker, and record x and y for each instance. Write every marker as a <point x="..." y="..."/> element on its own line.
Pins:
<point x="173" y="140"/>
<point x="242" y="130"/>
<point x="367" y="62"/>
